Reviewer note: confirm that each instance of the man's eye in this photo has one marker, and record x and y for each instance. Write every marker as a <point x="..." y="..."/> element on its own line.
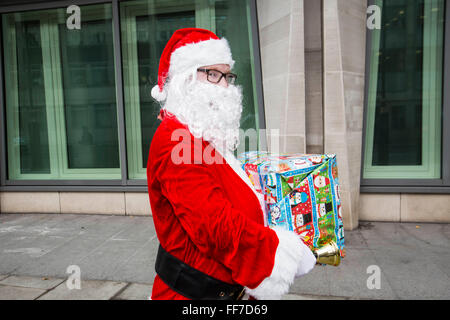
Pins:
<point x="214" y="74"/>
<point x="231" y="78"/>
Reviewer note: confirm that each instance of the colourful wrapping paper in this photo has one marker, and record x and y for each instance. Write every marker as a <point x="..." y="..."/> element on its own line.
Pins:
<point x="301" y="194"/>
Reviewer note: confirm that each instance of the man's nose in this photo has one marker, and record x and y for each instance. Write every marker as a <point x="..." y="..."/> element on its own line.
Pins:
<point x="223" y="82"/>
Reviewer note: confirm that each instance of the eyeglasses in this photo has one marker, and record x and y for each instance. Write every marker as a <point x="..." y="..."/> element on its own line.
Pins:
<point x="215" y="76"/>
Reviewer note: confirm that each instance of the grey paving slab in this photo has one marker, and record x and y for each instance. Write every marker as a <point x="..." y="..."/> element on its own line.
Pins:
<point x="24" y="225"/>
<point x="90" y="290"/>
<point x="405" y="236"/>
<point x="107" y="258"/>
<point x="442" y="261"/>
<point x="34" y="246"/>
<point x="70" y="244"/>
<point x="413" y="276"/>
<point x="316" y="282"/>
<point x="5" y="218"/>
<point x="135" y="291"/>
<point x="413" y="260"/>
<point x="141" y="229"/>
<point x="349" y="279"/>
<point x="32" y="282"/>
<point x="141" y="266"/>
<point x="25" y="251"/>
<point x="435" y="237"/>
<point x="355" y="239"/>
<point x="20" y="218"/>
<point x="48" y="229"/>
<point x="414" y="257"/>
<point x="106" y="226"/>
<point x="310" y="297"/>
<point x="56" y="261"/>
<point x="71" y="225"/>
<point x="18" y="293"/>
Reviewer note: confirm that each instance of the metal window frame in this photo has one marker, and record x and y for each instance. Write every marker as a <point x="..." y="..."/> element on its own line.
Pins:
<point x="414" y="185"/>
<point x="93" y="185"/>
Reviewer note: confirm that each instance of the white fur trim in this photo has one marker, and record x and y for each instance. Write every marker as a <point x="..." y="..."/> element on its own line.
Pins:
<point x="157" y="94"/>
<point x="289" y="258"/>
<point x="203" y="53"/>
<point x="236" y="165"/>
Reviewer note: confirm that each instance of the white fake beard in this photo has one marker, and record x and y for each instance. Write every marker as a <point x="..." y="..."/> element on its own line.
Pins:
<point x="210" y="111"/>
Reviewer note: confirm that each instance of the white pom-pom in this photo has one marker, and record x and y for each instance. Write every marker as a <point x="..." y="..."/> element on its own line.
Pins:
<point x="157" y="94"/>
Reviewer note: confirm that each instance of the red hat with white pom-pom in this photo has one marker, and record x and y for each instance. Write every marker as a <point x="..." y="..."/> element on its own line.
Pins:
<point x="190" y="48"/>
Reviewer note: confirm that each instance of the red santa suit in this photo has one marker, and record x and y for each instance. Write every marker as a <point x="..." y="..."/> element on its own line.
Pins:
<point x="208" y="216"/>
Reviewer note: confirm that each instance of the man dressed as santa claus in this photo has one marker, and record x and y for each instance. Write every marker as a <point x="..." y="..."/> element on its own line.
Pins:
<point x="207" y="215"/>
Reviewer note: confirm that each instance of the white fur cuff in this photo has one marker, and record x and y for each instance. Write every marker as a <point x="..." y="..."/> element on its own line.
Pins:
<point x="290" y="258"/>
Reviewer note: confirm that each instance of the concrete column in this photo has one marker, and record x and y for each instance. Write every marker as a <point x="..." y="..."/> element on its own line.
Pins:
<point x="344" y="31"/>
<point x="313" y="76"/>
<point x="283" y="70"/>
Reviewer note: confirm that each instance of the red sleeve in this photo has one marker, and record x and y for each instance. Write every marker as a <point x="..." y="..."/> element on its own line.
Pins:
<point x="212" y="224"/>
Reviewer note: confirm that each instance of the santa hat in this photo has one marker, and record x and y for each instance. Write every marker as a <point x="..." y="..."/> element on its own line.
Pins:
<point x="190" y="48"/>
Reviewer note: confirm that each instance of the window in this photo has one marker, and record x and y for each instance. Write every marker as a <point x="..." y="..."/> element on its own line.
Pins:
<point x="63" y="115"/>
<point x="404" y="98"/>
<point x="60" y="84"/>
<point x="146" y="27"/>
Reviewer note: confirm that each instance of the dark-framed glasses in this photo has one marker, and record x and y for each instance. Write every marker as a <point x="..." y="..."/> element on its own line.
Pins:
<point x="215" y="76"/>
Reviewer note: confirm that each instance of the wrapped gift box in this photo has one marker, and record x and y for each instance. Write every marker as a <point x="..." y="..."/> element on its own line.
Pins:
<point x="301" y="194"/>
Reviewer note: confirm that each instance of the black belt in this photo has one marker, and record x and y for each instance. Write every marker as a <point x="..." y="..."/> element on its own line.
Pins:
<point x="192" y="283"/>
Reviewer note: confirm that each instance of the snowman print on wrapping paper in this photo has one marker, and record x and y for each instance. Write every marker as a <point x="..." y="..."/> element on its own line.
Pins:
<point x="341" y="232"/>
<point x="300" y="201"/>
<point x="303" y="219"/>
<point x="322" y="189"/>
<point x="275" y="214"/>
<point x="298" y="196"/>
<point x="323" y="209"/>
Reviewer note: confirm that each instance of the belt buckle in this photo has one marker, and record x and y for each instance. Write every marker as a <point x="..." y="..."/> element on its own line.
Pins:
<point x="241" y="294"/>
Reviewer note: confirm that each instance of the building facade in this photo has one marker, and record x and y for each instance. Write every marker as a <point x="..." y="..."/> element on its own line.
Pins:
<point x="366" y="80"/>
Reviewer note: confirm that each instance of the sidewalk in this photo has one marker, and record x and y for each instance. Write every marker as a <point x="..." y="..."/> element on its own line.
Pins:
<point x="116" y="256"/>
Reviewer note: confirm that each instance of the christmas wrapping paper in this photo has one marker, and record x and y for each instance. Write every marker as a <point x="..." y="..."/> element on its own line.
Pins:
<point x="301" y="194"/>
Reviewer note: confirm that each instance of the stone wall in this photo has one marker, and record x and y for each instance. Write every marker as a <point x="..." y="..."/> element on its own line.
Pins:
<point x="117" y="203"/>
<point x="317" y="108"/>
<point x="283" y="67"/>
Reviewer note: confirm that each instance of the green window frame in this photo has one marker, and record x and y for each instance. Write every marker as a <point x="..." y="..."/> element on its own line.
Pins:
<point x="205" y="17"/>
<point x="49" y="21"/>
<point x="431" y="143"/>
<point x="130" y="175"/>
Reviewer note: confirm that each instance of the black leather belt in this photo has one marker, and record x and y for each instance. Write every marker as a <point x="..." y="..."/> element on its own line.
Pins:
<point x="192" y="283"/>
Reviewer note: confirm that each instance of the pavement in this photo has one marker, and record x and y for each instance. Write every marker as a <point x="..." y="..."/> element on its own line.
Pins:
<point x="107" y="257"/>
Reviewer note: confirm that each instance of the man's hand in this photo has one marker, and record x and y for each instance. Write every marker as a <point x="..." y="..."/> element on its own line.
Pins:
<point x="307" y="262"/>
